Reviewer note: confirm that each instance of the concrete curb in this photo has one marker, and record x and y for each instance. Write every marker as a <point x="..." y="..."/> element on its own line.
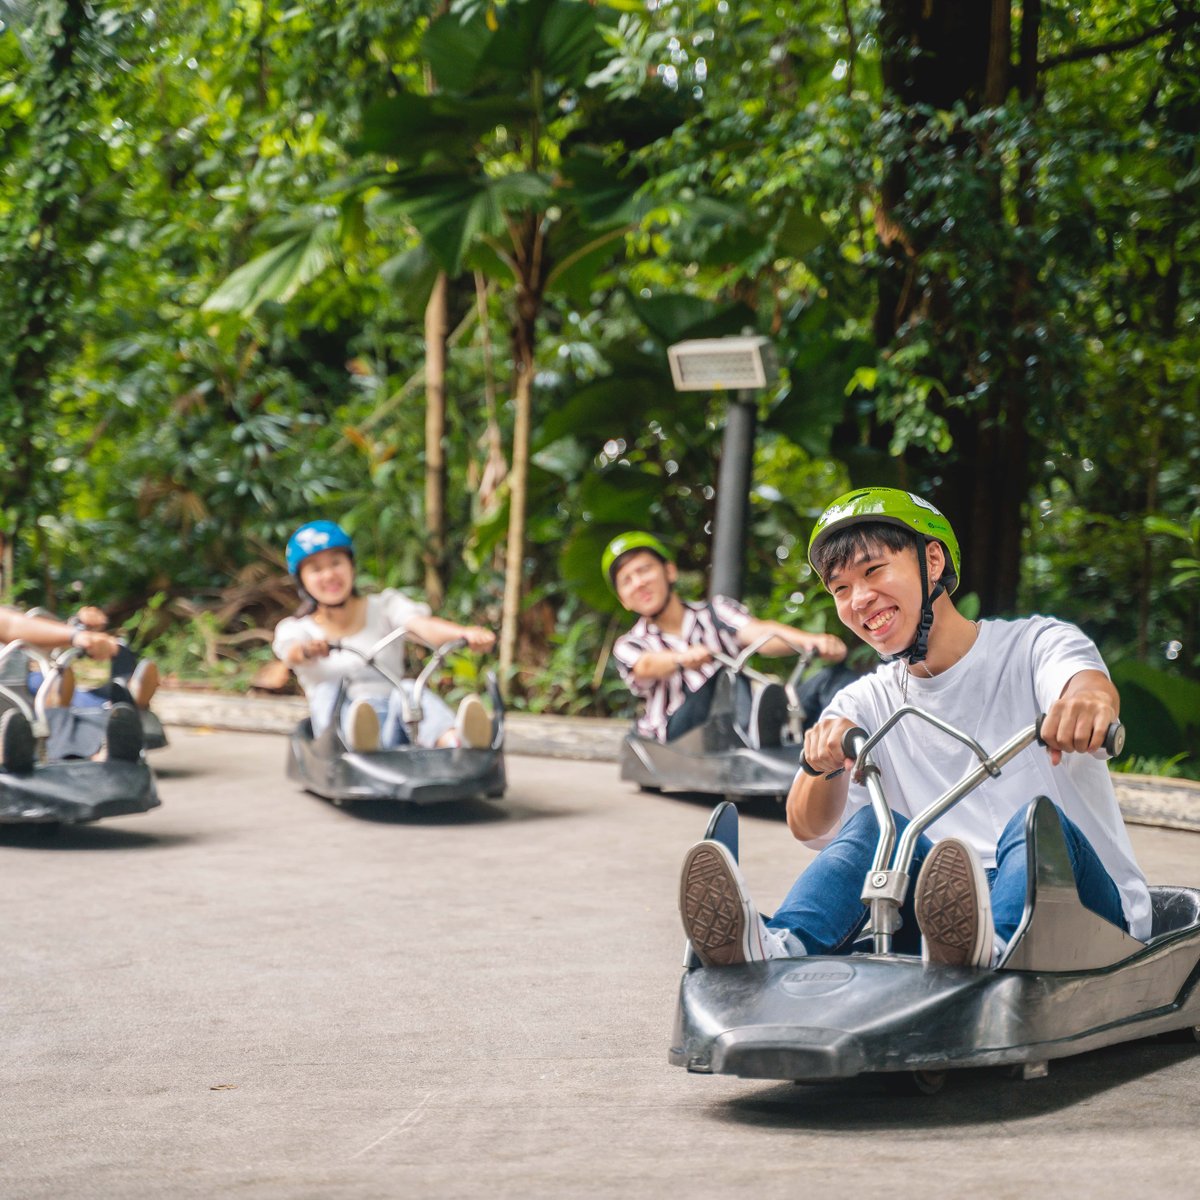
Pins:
<point x="1144" y="799"/>
<point x="591" y="738"/>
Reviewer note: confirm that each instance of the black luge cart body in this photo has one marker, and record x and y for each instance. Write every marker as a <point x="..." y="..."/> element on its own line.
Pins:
<point x="413" y="774"/>
<point x="1069" y="982"/>
<point x="66" y="791"/>
<point x="716" y="758"/>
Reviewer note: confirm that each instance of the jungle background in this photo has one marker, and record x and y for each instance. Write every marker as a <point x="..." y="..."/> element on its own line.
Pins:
<point x="414" y="266"/>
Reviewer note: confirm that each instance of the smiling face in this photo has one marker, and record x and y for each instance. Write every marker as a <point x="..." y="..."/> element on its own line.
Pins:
<point x="878" y="593"/>
<point x="643" y="582"/>
<point x="328" y="576"/>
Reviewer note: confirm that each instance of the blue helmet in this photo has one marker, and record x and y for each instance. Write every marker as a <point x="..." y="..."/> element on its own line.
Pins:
<point x="314" y="537"/>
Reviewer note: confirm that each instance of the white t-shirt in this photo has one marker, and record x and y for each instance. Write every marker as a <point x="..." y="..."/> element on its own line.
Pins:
<point x="1014" y="671"/>
<point x="387" y="611"/>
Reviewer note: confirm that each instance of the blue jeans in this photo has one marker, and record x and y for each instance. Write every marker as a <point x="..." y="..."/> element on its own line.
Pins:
<point x="436" y="718"/>
<point x="825" y="912"/>
<point x="113" y="692"/>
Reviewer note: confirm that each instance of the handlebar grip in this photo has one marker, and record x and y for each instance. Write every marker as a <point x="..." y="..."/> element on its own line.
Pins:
<point x="847" y="749"/>
<point x="848" y="741"/>
<point x="1114" y="739"/>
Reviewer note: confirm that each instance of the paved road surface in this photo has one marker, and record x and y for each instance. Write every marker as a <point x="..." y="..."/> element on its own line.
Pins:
<point x="251" y="993"/>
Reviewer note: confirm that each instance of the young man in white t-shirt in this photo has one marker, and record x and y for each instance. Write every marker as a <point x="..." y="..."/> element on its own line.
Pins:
<point x="891" y="562"/>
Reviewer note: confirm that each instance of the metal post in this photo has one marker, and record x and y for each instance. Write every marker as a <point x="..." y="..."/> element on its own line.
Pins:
<point x="744" y="365"/>
<point x="733" y="497"/>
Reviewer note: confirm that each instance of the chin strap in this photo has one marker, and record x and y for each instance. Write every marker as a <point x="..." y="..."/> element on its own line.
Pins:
<point x="920" y="645"/>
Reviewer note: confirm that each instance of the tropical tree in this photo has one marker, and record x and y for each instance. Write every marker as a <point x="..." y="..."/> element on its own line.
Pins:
<point x="511" y="168"/>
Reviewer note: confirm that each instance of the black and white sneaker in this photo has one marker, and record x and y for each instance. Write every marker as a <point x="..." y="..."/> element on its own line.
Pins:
<point x="953" y="907"/>
<point x="123" y="736"/>
<point x="16" y="743"/>
<point x="719" y="917"/>
<point x="768" y="716"/>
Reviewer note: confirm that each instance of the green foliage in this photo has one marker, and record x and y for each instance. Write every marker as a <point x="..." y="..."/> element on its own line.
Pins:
<point x="1160" y="710"/>
<point x="219" y="225"/>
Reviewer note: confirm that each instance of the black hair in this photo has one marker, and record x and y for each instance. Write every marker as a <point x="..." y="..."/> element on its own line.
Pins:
<point x="856" y="540"/>
<point x="617" y="562"/>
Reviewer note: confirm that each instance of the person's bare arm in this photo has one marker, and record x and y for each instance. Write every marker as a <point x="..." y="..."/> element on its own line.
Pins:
<point x="1079" y="719"/>
<point x="661" y="664"/>
<point x="48" y="634"/>
<point x="437" y="630"/>
<point x="301" y="652"/>
<point x="786" y="640"/>
<point x="815" y="803"/>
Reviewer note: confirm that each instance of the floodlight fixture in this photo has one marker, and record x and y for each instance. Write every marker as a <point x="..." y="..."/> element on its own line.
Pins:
<point x="723" y="364"/>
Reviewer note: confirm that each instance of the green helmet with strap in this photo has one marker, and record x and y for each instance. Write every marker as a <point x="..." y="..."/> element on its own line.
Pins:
<point x="623" y="543"/>
<point x="891" y="506"/>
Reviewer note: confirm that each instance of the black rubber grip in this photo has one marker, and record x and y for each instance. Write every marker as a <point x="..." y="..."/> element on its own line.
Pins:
<point x="847" y="749"/>
<point x="848" y="741"/>
<point x="1114" y="739"/>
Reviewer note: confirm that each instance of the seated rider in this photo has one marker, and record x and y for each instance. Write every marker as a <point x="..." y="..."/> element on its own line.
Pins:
<point x="131" y="679"/>
<point x="70" y="736"/>
<point x="667" y="657"/>
<point x="891" y="561"/>
<point x="320" y="557"/>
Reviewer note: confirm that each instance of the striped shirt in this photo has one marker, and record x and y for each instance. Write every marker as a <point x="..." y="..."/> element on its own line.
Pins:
<point x="663" y="696"/>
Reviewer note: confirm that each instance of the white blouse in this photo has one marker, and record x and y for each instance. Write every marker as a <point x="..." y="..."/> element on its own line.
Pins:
<point x="387" y="611"/>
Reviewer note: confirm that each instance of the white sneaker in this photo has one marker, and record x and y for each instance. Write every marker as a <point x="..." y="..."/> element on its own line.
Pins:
<point x="719" y="917"/>
<point x="473" y="724"/>
<point x="954" y="907"/>
<point x="362" y="723"/>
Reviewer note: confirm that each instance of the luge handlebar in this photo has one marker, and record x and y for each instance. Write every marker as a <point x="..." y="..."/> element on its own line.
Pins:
<point x="1114" y="737"/>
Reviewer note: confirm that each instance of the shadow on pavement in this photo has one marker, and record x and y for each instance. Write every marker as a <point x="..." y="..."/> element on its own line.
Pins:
<point x="173" y="772"/>
<point x="51" y="838"/>
<point x="762" y="808"/>
<point x="461" y="812"/>
<point x="979" y="1096"/>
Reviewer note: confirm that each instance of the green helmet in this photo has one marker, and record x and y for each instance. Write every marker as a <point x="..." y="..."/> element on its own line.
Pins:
<point x="634" y="539"/>
<point x="893" y="507"/>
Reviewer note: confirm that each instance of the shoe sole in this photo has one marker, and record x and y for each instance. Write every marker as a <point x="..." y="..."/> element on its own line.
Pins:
<point x="768" y="717"/>
<point x="716" y="914"/>
<point x="123" y="735"/>
<point x="17" y="747"/>
<point x="473" y="725"/>
<point x="364" y="728"/>
<point x="952" y="907"/>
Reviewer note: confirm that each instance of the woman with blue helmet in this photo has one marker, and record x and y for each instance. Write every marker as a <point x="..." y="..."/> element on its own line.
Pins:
<point x="320" y="557"/>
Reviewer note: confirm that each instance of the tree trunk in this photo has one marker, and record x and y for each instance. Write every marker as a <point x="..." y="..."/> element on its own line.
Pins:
<point x="436" y="327"/>
<point x="941" y="54"/>
<point x="518" y="478"/>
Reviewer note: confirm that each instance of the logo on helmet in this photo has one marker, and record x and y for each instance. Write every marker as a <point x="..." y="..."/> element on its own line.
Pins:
<point x="311" y="540"/>
<point x="924" y="504"/>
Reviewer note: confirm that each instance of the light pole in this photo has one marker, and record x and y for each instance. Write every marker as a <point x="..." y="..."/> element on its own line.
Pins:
<point x="743" y="365"/>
